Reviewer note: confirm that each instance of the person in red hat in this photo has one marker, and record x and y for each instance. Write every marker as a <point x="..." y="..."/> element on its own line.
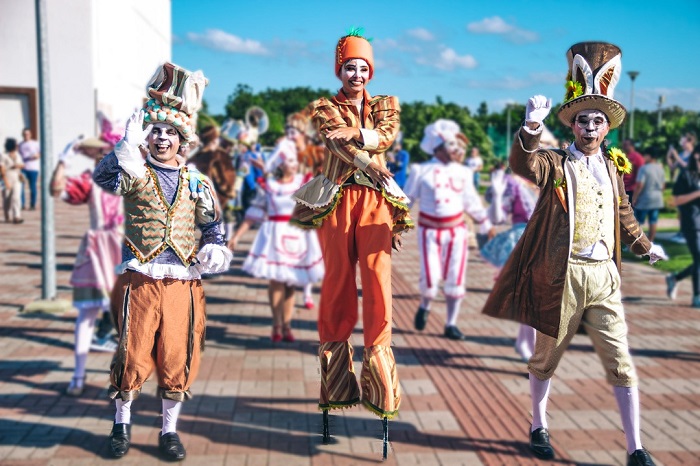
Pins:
<point x="359" y="212"/>
<point x="564" y="270"/>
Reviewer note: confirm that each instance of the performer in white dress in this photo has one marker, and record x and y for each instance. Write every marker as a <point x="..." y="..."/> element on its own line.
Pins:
<point x="282" y="253"/>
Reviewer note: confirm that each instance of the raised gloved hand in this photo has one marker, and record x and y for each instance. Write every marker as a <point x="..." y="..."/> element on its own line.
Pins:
<point x="135" y="134"/>
<point x="537" y="109"/>
<point x="656" y="253"/>
<point x="69" y="150"/>
<point x="214" y="258"/>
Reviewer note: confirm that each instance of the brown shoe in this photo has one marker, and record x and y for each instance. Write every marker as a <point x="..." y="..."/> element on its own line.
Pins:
<point x="18" y="220"/>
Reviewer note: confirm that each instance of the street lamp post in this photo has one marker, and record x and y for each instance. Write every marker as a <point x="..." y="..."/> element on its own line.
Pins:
<point x="662" y="99"/>
<point x="507" y="128"/>
<point x="633" y="75"/>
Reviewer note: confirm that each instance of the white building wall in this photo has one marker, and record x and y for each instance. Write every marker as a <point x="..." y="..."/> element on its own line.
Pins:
<point x="101" y="55"/>
<point x="132" y="38"/>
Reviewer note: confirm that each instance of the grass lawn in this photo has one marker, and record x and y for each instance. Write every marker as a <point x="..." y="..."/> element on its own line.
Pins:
<point x="679" y="256"/>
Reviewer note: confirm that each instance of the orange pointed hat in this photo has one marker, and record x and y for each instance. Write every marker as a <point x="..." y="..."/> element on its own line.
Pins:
<point x="353" y="46"/>
<point x="594" y="71"/>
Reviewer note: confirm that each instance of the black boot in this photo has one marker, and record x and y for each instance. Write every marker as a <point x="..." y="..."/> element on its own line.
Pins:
<point x="539" y="444"/>
<point x="170" y="447"/>
<point x="640" y="457"/>
<point x="421" y="318"/>
<point x="120" y="439"/>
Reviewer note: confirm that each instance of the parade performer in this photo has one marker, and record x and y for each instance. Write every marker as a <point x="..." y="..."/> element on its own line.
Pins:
<point x="282" y="253"/>
<point x="564" y="271"/>
<point x="359" y="212"/>
<point x="158" y="301"/>
<point x="100" y="249"/>
<point x="214" y="159"/>
<point x="445" y="190"/>
<point x="518" y="200"/>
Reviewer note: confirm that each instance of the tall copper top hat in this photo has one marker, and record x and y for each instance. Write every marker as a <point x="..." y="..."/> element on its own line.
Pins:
<point x="594" y="71"/>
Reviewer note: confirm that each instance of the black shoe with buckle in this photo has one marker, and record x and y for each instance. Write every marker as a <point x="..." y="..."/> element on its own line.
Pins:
<point x="640" y="457"/>
<point x="421" y="318"/>
<point x="539" y="444"/>
<point x="453" y="333"/>
<point x="120" y="439"/>
<point x="171" y="447"/>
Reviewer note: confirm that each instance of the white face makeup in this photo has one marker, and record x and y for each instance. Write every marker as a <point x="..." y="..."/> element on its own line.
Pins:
<point x="354" y="74"/>
<point x="449" y="151"/>
<point x="164" y="143"/>
<point x="590" y="128"/>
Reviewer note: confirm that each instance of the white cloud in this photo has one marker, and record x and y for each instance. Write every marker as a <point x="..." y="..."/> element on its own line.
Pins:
<point x="448" y="60"/>
<point x="493" y="25"/>
<point x="220" y="40"/>
<point x="421" y="34"/>
<point x="496" y="25"/>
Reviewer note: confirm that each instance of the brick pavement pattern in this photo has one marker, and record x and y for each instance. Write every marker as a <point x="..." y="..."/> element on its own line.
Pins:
<point x="465" y="403"/>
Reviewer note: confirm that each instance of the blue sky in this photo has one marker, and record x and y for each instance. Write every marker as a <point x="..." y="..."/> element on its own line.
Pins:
<point x="463" y="51"/>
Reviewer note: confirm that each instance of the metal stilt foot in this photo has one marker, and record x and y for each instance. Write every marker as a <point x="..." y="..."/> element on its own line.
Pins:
<point x="385" y="445"/>
<point x="326" y="430"/>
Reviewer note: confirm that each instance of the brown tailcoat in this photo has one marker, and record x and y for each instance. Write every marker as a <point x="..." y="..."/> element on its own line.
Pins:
<point x="531" y="284"/>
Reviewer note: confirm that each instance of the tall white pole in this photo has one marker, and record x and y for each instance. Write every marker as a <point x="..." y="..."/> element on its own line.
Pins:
<point x="48" y="239"/>
<point x="633" y="75"/>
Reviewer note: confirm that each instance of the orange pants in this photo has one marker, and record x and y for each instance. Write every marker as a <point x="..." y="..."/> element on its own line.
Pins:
<point x="358" y="231"/>
<point x="161" y="325"/>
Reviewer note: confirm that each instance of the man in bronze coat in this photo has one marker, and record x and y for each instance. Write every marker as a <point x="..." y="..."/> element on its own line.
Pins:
<point x="564" y="271"/>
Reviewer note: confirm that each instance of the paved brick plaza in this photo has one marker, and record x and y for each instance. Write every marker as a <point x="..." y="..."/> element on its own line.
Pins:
<point x="255" y="403"/>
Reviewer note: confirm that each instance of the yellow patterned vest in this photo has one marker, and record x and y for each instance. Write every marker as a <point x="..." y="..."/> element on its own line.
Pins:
<point x="595" y="219"/>
<point x="153" y="225"/>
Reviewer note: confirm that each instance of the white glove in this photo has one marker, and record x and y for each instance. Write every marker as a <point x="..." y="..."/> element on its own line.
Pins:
<point x="69" y="150"/>
<point x="656" y="253"/>
<point x="135" y="134"/>
<point x="537" y="109"/>
<point x="214" y="258"/>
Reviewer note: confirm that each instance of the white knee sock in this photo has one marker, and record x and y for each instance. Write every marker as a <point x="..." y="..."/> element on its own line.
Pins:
<point x="539" y="394"/>
<point x="308" y="289"/>
<point x="84" y="330"/>
<point x="123" y="415"/>
<point x="453" y="307"/>
<point x="525" y="343"/>
<point x="425" y="303"/>
<point x="628" y="403"/>
<point x="171" y="410"/>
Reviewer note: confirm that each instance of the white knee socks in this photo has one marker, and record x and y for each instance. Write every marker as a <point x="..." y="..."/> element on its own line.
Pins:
<point x="628" y="403"/>
<point x="123" y="415"/>
<point x="453" y="307"/>
<point x="425" y="303"/>
<point x="525" y="343"/>
<point x="171" y="410"/>
<point x="539" y="394"/>
<point x="84" y="329"/>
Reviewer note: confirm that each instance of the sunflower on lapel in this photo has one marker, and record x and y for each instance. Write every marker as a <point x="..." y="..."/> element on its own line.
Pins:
<point x="622" y="163"/>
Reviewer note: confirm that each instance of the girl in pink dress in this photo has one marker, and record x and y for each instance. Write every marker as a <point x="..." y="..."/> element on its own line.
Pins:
<point x="99" y="253"/>
<point x="282" y="253"/>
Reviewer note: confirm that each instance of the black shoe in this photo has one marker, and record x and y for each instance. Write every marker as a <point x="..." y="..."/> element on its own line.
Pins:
<point x="421" y="318"/>
<point x="640" y="458"/>
<point x="539" y="444"/>
<point x="171" y="447"/>
<point x="453" y="333"/>
<point x="120" y="439"/>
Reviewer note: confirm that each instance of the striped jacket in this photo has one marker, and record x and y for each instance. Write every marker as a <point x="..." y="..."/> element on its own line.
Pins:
<point x="379" y="124"/>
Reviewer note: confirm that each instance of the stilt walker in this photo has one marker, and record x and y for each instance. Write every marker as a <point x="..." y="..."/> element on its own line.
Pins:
<point x="360" y="212"/>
